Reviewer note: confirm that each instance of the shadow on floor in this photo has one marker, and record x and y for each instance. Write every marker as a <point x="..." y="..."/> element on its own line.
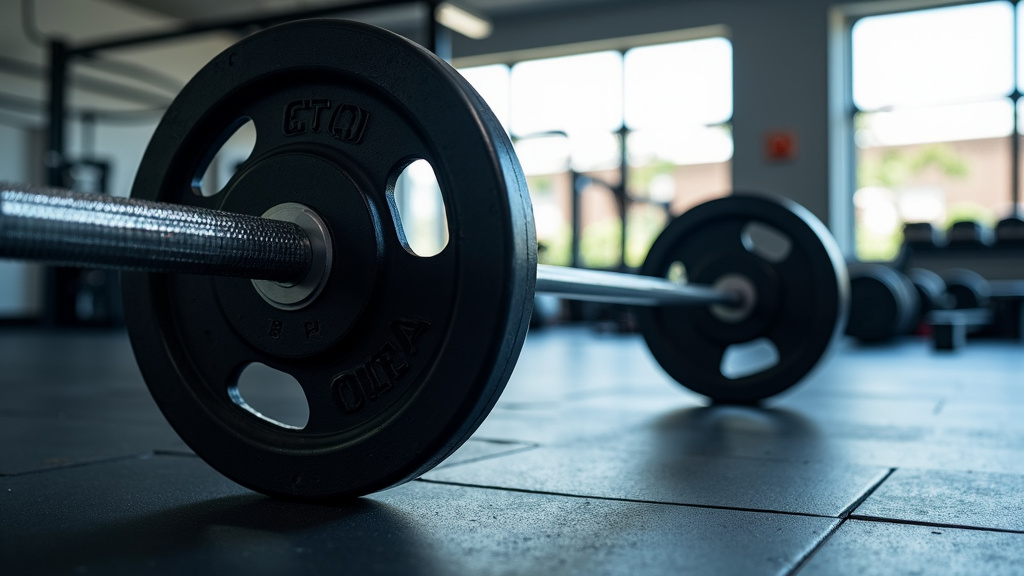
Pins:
<point x="263" y="535"/>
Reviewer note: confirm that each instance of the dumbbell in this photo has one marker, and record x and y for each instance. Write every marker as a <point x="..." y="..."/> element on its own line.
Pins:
<point x="931" y="290"/>
<point x="1010" y="231"/>
<point x="968" y="233"/>
<point x="967" y="289"/>
<point x="923" y="236"/>
<point x="970" y="311"/>
<point x="300" y="263"/>
<point x="883" y="303"/>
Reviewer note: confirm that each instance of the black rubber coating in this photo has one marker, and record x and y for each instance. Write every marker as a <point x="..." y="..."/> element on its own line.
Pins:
<point x="968" y="233"/>
<point x="923" y="235"/>
<point x="401" y="357"/>
<point x="967" y="288"/>
<point x="802" y="295"/>
<point x="1010" y="231"/>
<point x="883" y="303"/>
<point x="931" y="290"/>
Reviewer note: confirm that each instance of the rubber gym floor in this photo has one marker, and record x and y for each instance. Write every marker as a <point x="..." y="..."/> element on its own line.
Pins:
<point x="888" y="460"/>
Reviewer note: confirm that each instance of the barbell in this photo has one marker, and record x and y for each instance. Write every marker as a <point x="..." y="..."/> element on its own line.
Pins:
<point x="300" y="263"/>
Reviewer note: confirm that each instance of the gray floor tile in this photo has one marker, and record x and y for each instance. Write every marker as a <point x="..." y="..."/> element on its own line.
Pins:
<point x="869" y="548"/>
<point x="972" y="499"/>
<point x="584" y="364"/>
<point x="669" y="477"/>
<point x="955" y="454"/>
<point x="584" y="414"/>
<point x="482" y="449"/>
<point x="933" y="454"/>
<point x="81" y="401"/>
<point x="910" y="369"/>
<point x="589" y="420"/>
<point x="33" y="444"/>
<point x="174" y="515"/>
<point x="829" y="432"/>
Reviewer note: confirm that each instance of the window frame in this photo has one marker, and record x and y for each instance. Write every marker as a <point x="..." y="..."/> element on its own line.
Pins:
<point x="843" y="110"/>
<point x="622" y="45"/>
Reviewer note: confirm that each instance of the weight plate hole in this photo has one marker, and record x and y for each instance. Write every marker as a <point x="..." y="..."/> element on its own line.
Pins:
<point x="418" y="209"/>
<point x="271" y="395"/>
<point x="767" y="242"/>
<point x="222" y="160"/>
<point x="749" y="358"/>
<point x="677" y="272"/>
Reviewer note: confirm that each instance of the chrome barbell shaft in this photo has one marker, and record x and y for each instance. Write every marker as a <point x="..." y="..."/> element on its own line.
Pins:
<point x="619" y="288"/>
<point x="99" y="231"/>
<point x="93" y="230"/>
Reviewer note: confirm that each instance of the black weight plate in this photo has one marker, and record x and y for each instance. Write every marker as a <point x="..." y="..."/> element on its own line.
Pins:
<point x="802" y="296"/>
<point x="967" y="288"/>
<point x="931" y="290"/>
<point x="883" y="303"/>
<point x="401" y="357"/>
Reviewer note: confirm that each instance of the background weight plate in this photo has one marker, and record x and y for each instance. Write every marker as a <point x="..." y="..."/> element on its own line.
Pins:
<point x="966" y="288"/>
<point x="931" y="290"/>
<point x="803" y="296"/>
<point x="401" y="357"/>
<point x="883" y="303"/>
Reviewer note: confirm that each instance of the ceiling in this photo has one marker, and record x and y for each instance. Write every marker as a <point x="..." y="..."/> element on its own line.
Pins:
<point x="198" y="10"/>
<point x="23" y="52"/>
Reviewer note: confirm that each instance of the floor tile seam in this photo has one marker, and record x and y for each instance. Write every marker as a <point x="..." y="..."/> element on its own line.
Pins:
<point x="486" y="457"/>
<point x="578" y="396"/>
<point x="585" y="441"/>
<point x="883" y="520"/>
<point x="135" y="456"/>
<point x="86" y="419"/>
<point x="570" y="443"/>
<point x="867" y="494"/>
<point x="814" y="549"/>
<point x="505" y="441"/>
<point x="174" y="453"/>
<point x="627" y="500"/>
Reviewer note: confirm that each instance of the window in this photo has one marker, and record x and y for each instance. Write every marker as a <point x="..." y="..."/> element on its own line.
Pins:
<point x="934" y="96"/>
<point x="667" y="106"/>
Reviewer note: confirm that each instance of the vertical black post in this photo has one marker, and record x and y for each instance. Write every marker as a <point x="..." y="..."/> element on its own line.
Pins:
<point x="1014" y="134"/>
<point x="621" y="192"/>
<point x="577" y="219"/>
<point x="58" y="304"/>
<point x="439" y="38"/>
<point x="55" y="137"/>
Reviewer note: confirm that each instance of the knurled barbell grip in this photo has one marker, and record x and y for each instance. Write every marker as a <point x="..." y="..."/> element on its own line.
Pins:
<point x="93" y="230"/>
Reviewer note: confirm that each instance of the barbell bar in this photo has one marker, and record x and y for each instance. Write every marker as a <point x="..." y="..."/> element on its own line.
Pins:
<point x="71" y="228"/>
